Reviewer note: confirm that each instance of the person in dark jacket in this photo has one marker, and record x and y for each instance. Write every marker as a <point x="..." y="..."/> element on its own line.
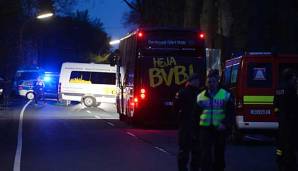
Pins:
<point x="39" y="89"/>
<point x="184" y="104"/>
<point x="215" y="110"/>
<point x="285" y="105"/>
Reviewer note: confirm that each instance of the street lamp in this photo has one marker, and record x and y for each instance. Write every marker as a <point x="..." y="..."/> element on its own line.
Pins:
<point x="41" y="16"/>
<point x="114" y="42"/>
<point x="45" y="15"/>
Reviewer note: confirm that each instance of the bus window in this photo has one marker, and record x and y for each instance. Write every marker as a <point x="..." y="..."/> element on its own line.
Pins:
<point x="259" y="75"/>
<point x="234" y="74"/>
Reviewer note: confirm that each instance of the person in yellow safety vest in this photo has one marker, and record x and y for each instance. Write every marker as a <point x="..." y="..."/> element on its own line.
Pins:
<point x="285" y="105"/>
<point x="215" y="107"/>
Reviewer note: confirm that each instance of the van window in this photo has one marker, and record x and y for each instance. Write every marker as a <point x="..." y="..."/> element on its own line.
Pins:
<point x="84" y="77"/>
<point x="259" y="75"/>
<point x="234" y="74"/>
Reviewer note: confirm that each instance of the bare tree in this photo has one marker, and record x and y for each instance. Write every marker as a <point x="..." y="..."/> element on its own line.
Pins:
<point x="192" y="12"/>
<point x="155" y="13"/>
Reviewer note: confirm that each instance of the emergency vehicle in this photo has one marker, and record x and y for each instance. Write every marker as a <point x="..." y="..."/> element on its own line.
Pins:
<point x="23" y="76"/>
<point x="253" y="78"/>
<point x="50" y="79"/>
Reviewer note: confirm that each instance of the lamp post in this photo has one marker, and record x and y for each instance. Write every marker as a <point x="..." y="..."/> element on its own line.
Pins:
<point x="41" y="16"/>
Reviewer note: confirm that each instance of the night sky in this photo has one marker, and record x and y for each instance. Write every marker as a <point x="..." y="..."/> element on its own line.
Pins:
<point x="110" y="12"/>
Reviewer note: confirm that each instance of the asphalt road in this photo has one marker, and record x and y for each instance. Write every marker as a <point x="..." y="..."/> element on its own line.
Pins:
<point x="55" y="137"/>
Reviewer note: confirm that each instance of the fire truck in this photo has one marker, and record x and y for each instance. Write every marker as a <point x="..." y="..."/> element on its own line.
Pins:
<point x="253" y="78"/>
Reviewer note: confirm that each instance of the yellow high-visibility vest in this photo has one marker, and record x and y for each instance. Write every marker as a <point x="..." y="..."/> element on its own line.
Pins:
<point x="213" y="108"/>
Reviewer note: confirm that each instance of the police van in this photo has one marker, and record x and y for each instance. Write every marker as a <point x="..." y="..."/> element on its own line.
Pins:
<point x="91" y="84"/>
<point x="23" y="77"/>
<point x="253" y="78"/>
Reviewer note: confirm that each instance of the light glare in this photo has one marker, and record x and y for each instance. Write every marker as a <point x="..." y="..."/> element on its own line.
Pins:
<point x="45" y="15"/>
<point x="114" y="42"/>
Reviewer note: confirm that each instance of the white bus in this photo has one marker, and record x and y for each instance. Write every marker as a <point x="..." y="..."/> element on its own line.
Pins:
<point x="88" y="83"/>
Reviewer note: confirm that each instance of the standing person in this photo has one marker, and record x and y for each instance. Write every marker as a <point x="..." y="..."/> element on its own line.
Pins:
<point x="38" y="89"/>
<point x="285" y="105"/>
<point x="216" y="110"/>
<point x="6" y="92"/>
<point x="184" y="104"/>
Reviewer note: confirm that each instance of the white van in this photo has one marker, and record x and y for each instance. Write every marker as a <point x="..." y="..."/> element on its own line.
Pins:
<point x="88" y="83"/>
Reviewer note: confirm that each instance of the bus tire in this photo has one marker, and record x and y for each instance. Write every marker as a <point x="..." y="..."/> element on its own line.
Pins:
<point x="30" y="95"/>
<point x="89" y="101"/>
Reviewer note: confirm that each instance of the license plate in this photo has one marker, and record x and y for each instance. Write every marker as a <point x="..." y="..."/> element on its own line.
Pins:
<point x="168" y="103"/>
<point x="260" y="111"/>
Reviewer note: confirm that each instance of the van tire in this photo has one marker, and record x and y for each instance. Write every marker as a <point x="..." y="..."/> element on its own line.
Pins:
<point x="30" y="95"/>
<point x="89" y="101"/>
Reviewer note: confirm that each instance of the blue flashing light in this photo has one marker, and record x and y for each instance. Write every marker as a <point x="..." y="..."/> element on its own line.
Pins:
<point x="47" y="78"/>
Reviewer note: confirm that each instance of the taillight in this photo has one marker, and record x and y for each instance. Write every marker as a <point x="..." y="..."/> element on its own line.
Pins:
<point x="201" y="35"/>
<point x="133" y="102"/>
<point x="143" y="94"/>
<point x="140" y="34"/>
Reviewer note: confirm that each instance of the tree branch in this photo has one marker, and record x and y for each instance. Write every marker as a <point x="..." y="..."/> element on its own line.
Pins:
<point x="130" y="5"/>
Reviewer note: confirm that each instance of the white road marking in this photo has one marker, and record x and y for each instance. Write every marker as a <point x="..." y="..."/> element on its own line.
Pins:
<point x="17" y="159"/>
<point x="97" y="117"/>
<point x="156" y="147"/>
<point x="161" y="149"/>
<point x="110" y="123"/>
<point x="131" y="134"/>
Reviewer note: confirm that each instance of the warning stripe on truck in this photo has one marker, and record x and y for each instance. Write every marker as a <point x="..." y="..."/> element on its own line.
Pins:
<point x="258" y="99"/>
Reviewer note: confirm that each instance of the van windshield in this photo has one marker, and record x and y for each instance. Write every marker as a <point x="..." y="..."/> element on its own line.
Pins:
<point x="259" y="75"/>
<point x="84" y="77"/>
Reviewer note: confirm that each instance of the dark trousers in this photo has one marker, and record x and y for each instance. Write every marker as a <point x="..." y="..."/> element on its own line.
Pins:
<point x="287" y="142"/>
<point x="212" y="148"/>
<point x="189" y="151"/>
<point x="39" y="96"/>
<point x="289" y="158"/>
